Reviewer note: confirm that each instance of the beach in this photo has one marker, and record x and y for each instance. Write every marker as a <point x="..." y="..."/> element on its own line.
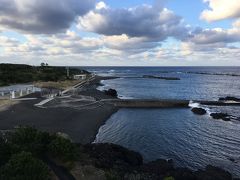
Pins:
<point x="80" y="124"/>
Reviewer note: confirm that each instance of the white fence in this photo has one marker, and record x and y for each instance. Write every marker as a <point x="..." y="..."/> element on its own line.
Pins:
<point x="16" y="91"/>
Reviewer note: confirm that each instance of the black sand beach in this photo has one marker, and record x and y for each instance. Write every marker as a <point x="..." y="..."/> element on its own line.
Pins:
<point x="80" y="124"/>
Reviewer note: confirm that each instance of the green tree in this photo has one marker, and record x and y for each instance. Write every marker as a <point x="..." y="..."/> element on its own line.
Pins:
<point x="63" y="149"/>
<point x="5" y="151"/>
<point x="42" y="64"/>
<point x="30" y="139"/>
<point x="24" y="166"/>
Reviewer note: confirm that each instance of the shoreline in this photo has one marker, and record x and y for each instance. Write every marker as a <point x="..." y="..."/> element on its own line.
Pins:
<point x="81" y="125"/>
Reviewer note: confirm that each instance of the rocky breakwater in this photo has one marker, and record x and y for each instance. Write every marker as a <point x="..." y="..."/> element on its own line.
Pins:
<point x="229" y="98"/>
<point x="160" y="77"/>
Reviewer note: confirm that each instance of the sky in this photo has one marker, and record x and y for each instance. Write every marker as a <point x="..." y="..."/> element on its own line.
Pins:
<point x="120" y="33"/>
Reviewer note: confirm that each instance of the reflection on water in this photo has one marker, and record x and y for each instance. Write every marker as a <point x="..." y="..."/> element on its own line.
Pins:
<point x="190" y="140"/>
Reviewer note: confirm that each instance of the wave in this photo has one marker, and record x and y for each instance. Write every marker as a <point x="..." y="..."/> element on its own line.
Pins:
<point x="209" y="111"/>
<point x="193" y="104"/>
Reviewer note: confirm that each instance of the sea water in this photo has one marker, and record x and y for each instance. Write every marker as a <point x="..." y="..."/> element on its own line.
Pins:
<point x="191" y="140"/>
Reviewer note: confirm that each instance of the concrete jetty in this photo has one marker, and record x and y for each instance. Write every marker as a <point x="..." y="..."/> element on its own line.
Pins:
<point x="145" y="103"/>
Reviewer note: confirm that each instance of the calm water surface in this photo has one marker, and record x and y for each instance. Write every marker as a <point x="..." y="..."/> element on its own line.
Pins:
<point x="190" y="140"/>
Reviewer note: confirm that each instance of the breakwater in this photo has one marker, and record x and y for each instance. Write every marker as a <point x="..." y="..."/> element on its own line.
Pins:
<point x="144" y="103"/>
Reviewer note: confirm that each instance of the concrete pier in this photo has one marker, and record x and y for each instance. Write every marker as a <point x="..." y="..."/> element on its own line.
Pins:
<point x="141" y="103"/>
<point x="145" y="103"/>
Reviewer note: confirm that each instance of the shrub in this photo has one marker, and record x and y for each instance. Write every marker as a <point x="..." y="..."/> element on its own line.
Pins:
<point x="30" y="139"/>
<point x="5" y="151"/>
<point x="24" y="166"/>
<point x="63" y="148"/>
<point x="169" y="178"/>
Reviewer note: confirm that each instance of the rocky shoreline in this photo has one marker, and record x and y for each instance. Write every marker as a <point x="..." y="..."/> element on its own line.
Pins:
<point x="121" y="163"/>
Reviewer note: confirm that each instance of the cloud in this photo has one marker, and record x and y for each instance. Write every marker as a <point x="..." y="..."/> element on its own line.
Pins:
<point x="216" y="35"/>
<point x="72" y="43"/>
<point x="213" y="44"/>
<point x="139" y="35"/>
<point x="8" y="42"/>
<point x="54" y="45"/>
<point x="221" y="9"/>
<point x="42" y="16"/>
<point x="153" y="22"/>
<point x="129" y="45"/>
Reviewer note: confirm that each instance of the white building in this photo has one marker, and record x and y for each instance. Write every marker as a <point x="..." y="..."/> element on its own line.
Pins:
<point x="80" y="77"/>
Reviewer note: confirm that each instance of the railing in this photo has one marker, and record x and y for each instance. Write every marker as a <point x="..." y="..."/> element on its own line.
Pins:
<point x="16" y="93"/>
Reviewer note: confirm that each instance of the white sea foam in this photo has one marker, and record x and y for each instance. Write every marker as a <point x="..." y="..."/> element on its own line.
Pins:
<point x="193" y="104"/>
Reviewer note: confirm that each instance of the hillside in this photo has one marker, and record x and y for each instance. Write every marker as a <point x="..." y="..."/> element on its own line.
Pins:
<point x="20" y="73"/>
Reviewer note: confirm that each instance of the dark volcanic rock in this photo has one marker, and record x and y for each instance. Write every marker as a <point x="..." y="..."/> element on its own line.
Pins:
<point x="232" y="160"/>
<point x="159" y="167"/>
<point x="183" y="173"/>
<point x="213" y="173"/>
<point x="111" y="92"/>
<point x="229" y="98"/>
<point x="129" y="164"/>
<point x="158" y="77"/>
<point x="111" y="155"/>
<point x="199" y="111"/>
<point x="222" y="116"/>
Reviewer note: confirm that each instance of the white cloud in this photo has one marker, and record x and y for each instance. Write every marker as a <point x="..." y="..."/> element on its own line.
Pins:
<point x="221" y="9"/>
<point x="216" y="35"/>
<point x="101" y="5"/>
<point x="153" y="22"/>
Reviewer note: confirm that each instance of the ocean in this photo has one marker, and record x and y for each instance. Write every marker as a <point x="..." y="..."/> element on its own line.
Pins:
<point x="191" y="140"/>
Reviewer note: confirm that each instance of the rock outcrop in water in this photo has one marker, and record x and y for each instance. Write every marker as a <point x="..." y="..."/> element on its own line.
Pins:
<point x="199" y="111"/>
<point x="229" y="98"/>
<point x="208" y="73"/>
<point x="223" y="116"/>
<point x="158" y="77"/>
<point x="111" y="92"/>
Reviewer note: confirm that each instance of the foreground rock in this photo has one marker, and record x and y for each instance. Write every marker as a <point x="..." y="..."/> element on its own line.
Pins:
<point x="110" y="155"/>
<point x="223" y="116"/>
<point x="43" y="155"/>
<point x="120" y="163"/>
<point x="199" y="111"/>
<point x="213" y="173"/>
